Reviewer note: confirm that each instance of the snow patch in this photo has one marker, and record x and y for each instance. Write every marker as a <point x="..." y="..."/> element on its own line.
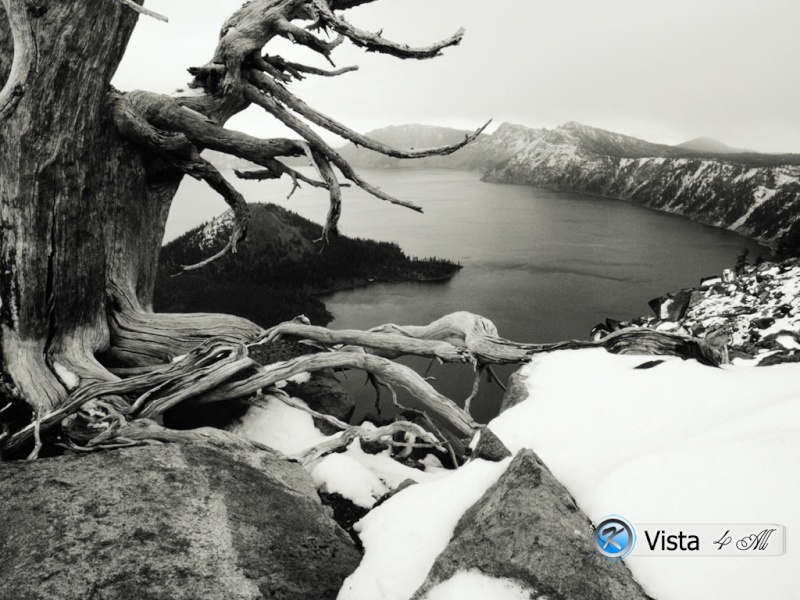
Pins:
<point x="403" y="536"/>
<point x="299" y="378"/>
<point x="280" y="426"/>
<point x="474" y="585"/>
<point x="67" y="377"/>
<point x="788" y="342"/>
<point x="341" y="474"/>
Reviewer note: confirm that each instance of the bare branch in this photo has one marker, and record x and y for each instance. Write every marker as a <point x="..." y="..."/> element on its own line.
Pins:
<point x="37" y="437"/>
<point x="279" y="394"/>
<point x="368" y="435"/>
<point x="168" y="114"/>
<point x="131" y="124"/>
<point x="373" y="42"/>
<point x="296" y="70"/>
<point x="298" y="35"/>
<point x="494" y="378"/>
<point x="335" y="210"/>
<point x="241" y="213"/>
<point x="476" y="382"/>
<point x="266" y="66"/>
<point x="281" y="169"/>
<point x="24" y="57"/>
<point x="177" y="150"/>
<point x="142" y="10"/>
<point x="300" y="107"/>
<point x="390" y="372"/>
<point x="271" y="106"/>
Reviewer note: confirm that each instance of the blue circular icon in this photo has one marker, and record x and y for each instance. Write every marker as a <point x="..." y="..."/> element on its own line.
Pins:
<point x="614" y="537"/>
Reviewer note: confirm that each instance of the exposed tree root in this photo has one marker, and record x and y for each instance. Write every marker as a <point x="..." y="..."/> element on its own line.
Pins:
<point x="441" y="408"/>
<point x="384" y="434"/>
<point x="102" y="414"/>
<point x="464" y="336"/>
<point x="141" y="338"/>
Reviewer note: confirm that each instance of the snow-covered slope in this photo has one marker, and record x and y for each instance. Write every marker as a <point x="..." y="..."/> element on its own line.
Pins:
<point x="700" y="445"/>
<point x="757" y="309"/>
<point x="749" y="194"/>
<point x="757" y="195"/>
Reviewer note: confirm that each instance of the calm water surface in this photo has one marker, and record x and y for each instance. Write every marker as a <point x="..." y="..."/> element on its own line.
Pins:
<point x="544" y="266"/>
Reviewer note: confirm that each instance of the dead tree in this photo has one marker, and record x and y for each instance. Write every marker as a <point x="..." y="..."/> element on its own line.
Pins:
<point x="87" y="175"/>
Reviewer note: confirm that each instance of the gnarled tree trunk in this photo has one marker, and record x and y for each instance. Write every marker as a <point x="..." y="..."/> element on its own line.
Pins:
<point x="77" y="208"/>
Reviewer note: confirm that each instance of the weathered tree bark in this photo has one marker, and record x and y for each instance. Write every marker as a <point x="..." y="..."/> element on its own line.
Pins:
<point x="76" y="205"/>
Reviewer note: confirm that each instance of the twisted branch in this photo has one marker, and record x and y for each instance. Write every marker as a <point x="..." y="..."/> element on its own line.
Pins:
<point x="176" y="149"/>
<point x="277" y="66"/>
<point x="142" y="10"/>
<point x="280" y="93"/>
<point x="373" y="42"/>
<point x="271" y="106"/>
<point x="369" y="435"/>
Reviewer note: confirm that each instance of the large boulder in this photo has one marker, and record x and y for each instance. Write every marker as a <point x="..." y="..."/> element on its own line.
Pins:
<point x="527" y="528"/>
<point x="167" y="522"/>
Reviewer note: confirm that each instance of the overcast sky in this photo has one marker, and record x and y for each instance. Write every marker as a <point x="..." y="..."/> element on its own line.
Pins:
<point x="662" y="70"/>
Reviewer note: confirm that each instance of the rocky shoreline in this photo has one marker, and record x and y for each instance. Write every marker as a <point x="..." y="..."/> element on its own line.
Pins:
<point x="754" y="309"/>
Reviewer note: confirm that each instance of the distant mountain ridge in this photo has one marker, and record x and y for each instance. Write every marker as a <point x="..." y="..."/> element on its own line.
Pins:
<point x="756" y="195"/>
<point x="707" y="144"/>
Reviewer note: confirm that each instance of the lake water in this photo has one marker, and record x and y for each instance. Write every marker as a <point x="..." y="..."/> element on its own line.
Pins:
<point x="543" y="266"/>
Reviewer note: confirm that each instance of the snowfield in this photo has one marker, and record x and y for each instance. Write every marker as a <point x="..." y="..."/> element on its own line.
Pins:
<point x="676" y="443"/>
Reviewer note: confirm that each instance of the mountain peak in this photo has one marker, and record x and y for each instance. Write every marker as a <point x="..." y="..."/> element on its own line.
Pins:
<point x="574" y="126"/>
<point x="707" y="144"/>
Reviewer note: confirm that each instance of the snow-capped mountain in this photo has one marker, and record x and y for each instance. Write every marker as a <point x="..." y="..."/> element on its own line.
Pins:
<point x="757" y="195"/>
<point x="753" y="194"/>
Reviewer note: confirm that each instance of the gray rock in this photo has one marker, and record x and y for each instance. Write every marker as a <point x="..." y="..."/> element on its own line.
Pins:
<point x="516" y="392"/>
<point x="490" y="447"/>
<point x="167" y="522"/>
<point x="671" y="307"/>
<point x="527" y="528"/>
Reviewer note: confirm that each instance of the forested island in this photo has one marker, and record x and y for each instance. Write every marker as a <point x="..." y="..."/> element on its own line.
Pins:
<point x="281" y="270"/>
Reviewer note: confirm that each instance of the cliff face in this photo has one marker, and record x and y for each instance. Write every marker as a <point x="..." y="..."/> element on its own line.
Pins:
<point x="755" y="195"/>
